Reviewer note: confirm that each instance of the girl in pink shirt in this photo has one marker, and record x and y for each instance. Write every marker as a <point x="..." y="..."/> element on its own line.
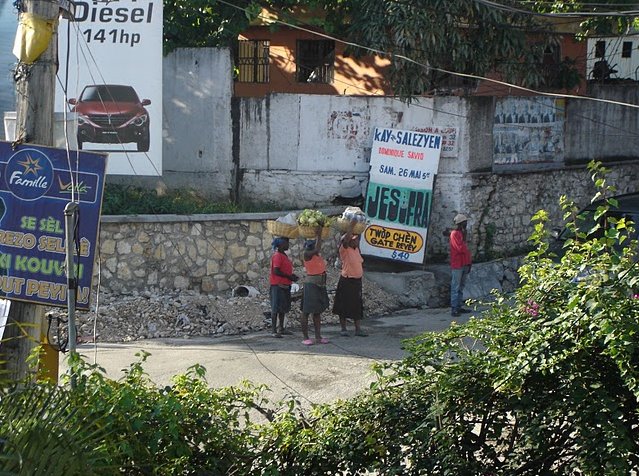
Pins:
<point x="315" y="296"/>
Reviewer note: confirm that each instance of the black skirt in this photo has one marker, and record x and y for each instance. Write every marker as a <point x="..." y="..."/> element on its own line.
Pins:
<point x="348" y="298"/>
<point x="280" y="299"/>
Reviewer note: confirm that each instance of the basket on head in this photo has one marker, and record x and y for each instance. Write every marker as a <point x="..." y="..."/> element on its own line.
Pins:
<point x="358" y="228"/>
<point x="277" y="228"/>
<point x="310" y="232"/>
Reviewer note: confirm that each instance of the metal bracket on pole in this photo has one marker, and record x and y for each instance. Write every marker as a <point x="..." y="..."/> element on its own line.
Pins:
<point x="67" y="9"/>
<point x="70" y="212"/>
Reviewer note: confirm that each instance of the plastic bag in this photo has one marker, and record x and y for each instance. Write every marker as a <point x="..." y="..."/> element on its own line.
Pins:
<point x="33" y="36"/>
<point x="289" y="219"/>
<point x="354" y="213"/>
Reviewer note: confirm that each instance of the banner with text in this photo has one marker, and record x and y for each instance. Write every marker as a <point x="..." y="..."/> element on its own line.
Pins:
<point x="114" y="89"/>
<point x="399" y="195"/>
<point x="36" y="183"/>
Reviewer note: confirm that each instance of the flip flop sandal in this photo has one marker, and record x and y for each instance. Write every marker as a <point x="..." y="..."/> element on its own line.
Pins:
<point x="323" y="340"/>
<point x="307" y="342"/>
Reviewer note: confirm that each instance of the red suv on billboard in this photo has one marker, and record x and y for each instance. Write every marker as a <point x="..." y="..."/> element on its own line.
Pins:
<point x="112" y="114"/>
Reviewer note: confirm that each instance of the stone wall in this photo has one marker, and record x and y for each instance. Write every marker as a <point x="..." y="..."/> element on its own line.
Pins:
<point x="500" y="206"/>
<point x="207" y="253"/>
<point x="215" y="253"/>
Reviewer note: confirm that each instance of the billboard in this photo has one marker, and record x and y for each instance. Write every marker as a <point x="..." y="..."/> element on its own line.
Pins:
<point x="400" y="192"/>
<point x="36" y="183"/>
<point x="113" y="81"/>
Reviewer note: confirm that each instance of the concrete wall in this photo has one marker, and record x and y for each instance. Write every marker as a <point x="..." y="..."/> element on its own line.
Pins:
<point x="603" y="131"/>
<point x="215" y="253"/>
<point x="501" y="206"/>
<point x="197" y="125"/>
<point x="313" y="150"/>
<point x="326" y="140"/>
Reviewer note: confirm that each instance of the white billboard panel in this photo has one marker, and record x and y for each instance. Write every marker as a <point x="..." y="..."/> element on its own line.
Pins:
<point x="400" y="192"/>
<point x="111" y="68"/>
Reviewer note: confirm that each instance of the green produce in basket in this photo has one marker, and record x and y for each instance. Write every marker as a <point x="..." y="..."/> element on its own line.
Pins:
<point x="313" y="218"/>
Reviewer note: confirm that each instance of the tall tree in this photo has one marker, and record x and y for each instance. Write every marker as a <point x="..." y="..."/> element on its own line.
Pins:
<point x="201" y="23"/>
<point x="461" y="36"/>
<point x="426" y="40"/>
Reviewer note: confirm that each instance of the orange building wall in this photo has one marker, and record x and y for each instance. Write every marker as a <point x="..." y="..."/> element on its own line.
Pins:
<point x="365" y="75"/>
<point x="353" y="76"/>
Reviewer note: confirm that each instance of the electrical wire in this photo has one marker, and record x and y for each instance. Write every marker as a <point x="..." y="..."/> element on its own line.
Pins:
<point x="429" y="67"/>
<point x="523" y="126"/>
<point x="86" y="55"/>
<point x="135" y="173"/>
<point x="270" y="371"/>
<point x="507" y="8"/>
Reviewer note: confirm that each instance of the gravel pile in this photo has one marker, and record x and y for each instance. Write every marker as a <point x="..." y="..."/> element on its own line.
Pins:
<point x="159" y="314"/>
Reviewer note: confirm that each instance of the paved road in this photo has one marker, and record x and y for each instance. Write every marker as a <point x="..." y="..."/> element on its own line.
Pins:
<point x="315" y="374"/>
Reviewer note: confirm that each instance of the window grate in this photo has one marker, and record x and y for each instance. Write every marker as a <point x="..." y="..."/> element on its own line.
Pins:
<point x="252" y="61"/>
<point x="315" y="61"/>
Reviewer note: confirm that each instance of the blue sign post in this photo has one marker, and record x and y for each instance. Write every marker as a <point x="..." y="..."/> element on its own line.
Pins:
<point x="36" y="183"/>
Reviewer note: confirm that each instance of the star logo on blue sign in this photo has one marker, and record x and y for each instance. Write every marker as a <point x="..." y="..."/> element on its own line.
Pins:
<point x="31" y="165"/>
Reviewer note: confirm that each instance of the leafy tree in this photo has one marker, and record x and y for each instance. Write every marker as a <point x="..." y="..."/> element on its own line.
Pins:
<point x="463" y="36"/>
<point x="546" y="382"/>
<point x="426" y="40"/>
<point x="200" y="23"/>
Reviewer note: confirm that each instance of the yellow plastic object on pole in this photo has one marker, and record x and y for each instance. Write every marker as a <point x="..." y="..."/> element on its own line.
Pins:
<point x="49" y="361"/>
<point x="32" y="37"/>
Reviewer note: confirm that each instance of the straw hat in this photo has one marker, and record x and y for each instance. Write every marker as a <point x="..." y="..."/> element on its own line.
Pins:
<point x="460" y="218"/>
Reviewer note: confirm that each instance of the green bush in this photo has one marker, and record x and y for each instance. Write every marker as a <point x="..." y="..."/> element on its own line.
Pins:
<point x="544" y="382"/>
<point x="129" y="200"/>
<point x="131" y="426"/>
<point x="43" y="432"/>
<point x="185" y="428"/>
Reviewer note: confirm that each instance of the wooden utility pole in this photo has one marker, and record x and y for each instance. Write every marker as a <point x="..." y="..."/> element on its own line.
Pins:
<point x="35" y="88"/>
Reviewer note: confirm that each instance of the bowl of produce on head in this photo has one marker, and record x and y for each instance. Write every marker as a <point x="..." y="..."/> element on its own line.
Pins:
<point x="310" y="222"/>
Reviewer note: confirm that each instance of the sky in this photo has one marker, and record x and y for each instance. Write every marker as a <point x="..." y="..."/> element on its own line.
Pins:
<point x="8" y="25"/>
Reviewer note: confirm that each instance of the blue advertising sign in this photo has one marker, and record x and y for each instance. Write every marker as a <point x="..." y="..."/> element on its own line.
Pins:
<point x="36" y="183"/>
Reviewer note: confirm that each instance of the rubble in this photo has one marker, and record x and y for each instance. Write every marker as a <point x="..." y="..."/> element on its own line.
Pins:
<point x="156" y="313"/>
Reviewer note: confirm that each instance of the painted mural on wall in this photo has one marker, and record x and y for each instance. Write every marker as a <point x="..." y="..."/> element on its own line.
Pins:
<point x="528" y="131"/>
<point x="351" y="126"/>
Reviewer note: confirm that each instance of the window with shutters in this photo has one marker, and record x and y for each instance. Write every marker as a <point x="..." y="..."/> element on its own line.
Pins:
<point x="252" y="61"/>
